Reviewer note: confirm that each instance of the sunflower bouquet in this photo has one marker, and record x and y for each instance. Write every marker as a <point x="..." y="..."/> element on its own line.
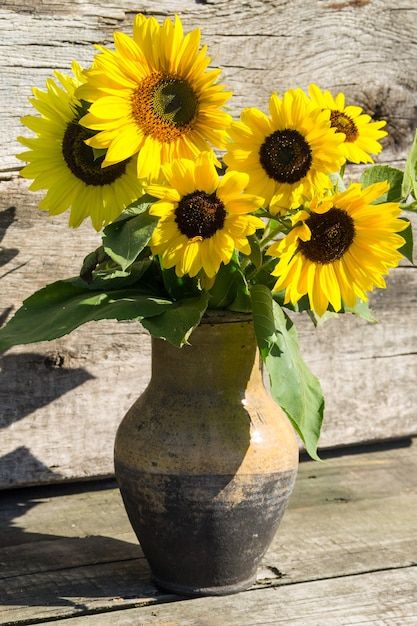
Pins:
<point x="197" y="211"/>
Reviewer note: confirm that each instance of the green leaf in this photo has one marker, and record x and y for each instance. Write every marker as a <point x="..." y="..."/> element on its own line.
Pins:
<point x="59" y="308"/>
<point x="380" y="173"/>
<point x="255" y="251"/>
<point x="225" y="288"/>
<point x="338" y="183"/>
<point x="178" y="322"/>
<point x="242" y="302"/>
<point x="293" y="386"/>
<point x="141" y="205"/>
<point x="407" y="249"/>
<point x="263" y="275"/>
<point x="179" y="287"/>
<point x="410" y="172"/>
<point x="90" y="263"/>
<point x="123" y="241"/>
<point x="263" y="319"/>
<point x="361" y="309"/>
<point x="105" y="279"/>
<point x="302" y="305"/>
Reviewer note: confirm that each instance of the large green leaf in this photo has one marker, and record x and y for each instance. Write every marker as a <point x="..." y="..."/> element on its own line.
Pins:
<point x="138" y="206"/>
<point x="124" y="241"/>
<point x="61" y="307"/>
<point x="293" y="386"/>
<point x="410" y="172"/>
<point x="380" y="173"/>
<point x="178" y="322"/>
<point x="126" y="237"/>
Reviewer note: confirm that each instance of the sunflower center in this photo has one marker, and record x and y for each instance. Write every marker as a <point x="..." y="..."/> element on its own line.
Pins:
<point x="199" y="214"/>
<point x="80" y="158"/>
<point x="344" y="124"/>
<point x="285" y="156"/>
<point x="332" y="233"/>
<point x="164" y="106"/>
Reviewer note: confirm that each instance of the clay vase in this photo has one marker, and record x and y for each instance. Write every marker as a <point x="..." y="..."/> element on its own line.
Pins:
<point x="206" y="461"/>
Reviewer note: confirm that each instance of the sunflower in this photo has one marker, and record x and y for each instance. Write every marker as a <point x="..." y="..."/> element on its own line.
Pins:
<point x="153" y="95"/>
<point x="362" y="135"/>
<point x="287" y="155"/>
<point x="203" y="218"/>
<point x="61" y="162"/>
<point x="340" y="249"/>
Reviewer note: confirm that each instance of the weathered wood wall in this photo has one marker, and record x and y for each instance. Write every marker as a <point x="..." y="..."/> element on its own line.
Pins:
<point x="60" y="402"/>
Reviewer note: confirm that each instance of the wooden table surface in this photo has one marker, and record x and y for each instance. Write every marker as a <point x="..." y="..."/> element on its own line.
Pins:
<point x="345" y="554"/>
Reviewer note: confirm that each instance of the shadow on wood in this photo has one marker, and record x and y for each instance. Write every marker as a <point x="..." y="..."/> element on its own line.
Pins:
<point x="118" y="567"/>
<point x="45" y="379"/>
<point x="23" y="456"/>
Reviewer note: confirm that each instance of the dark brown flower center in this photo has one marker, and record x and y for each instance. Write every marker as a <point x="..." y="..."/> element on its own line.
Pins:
<point x="332" y="234"/>
<point x="164" y="106"/>
<point x="199" y="214"/>
<point x="80" y="158"/>
<point x="344" y="124"/>
<point x="285" y="156"/>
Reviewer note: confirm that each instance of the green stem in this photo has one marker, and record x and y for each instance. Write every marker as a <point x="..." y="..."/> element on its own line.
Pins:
<point x="245" y="262"/>
<point x="409" y="207"/>
<point x="258" y="270"/>
<point x="283" y="228"/>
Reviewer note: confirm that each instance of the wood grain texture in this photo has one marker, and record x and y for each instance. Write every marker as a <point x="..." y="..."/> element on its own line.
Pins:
<point x="367" y="49"/>
<point x="60" y="402"/>
<point x="67" y="553"/>
<point x="367" y="600"/>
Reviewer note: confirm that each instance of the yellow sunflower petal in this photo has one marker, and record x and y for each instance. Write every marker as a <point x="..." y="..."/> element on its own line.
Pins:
<point x="62" y="163"/>
<point x="205" y="173"/>
<point x="348" y="246"/>
<point x="149" y="159"/>
<point x="157" y="88"/>
<point x="289" y="155"/>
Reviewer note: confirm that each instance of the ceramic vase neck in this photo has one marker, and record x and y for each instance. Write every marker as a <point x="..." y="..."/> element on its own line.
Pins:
<point x="222" y="357"/>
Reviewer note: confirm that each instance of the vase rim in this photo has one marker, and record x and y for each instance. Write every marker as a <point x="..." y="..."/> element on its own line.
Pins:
<point x="222" y="316"/>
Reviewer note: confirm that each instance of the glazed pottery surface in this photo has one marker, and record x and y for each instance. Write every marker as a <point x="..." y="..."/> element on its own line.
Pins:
<point x="206" y="461"/>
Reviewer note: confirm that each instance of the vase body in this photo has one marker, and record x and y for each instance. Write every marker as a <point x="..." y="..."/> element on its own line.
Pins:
<point x="206" y="461"/>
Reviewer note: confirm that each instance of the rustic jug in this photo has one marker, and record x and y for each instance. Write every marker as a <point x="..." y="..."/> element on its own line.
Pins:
<point x="206" y="461"/>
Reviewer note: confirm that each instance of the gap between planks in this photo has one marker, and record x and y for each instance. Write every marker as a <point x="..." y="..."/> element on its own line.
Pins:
<point x="366" y="599"/>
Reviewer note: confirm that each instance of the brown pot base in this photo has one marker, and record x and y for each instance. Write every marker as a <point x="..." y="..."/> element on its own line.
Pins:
<point x="204" y="533"/>
<point x="224" y="590"/>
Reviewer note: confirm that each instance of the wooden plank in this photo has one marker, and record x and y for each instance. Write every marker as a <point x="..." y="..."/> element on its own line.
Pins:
<point x="248" y="40"/>
<point x="76" y="553"/>
<point x="377" y="599"/>
<point x="90" y="378"/>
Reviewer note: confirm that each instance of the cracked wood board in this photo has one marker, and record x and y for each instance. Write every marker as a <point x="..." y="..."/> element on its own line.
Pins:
<point x="82" y="385"/>
<point x="65" y="552"/>
<point x="381" y="598"/>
